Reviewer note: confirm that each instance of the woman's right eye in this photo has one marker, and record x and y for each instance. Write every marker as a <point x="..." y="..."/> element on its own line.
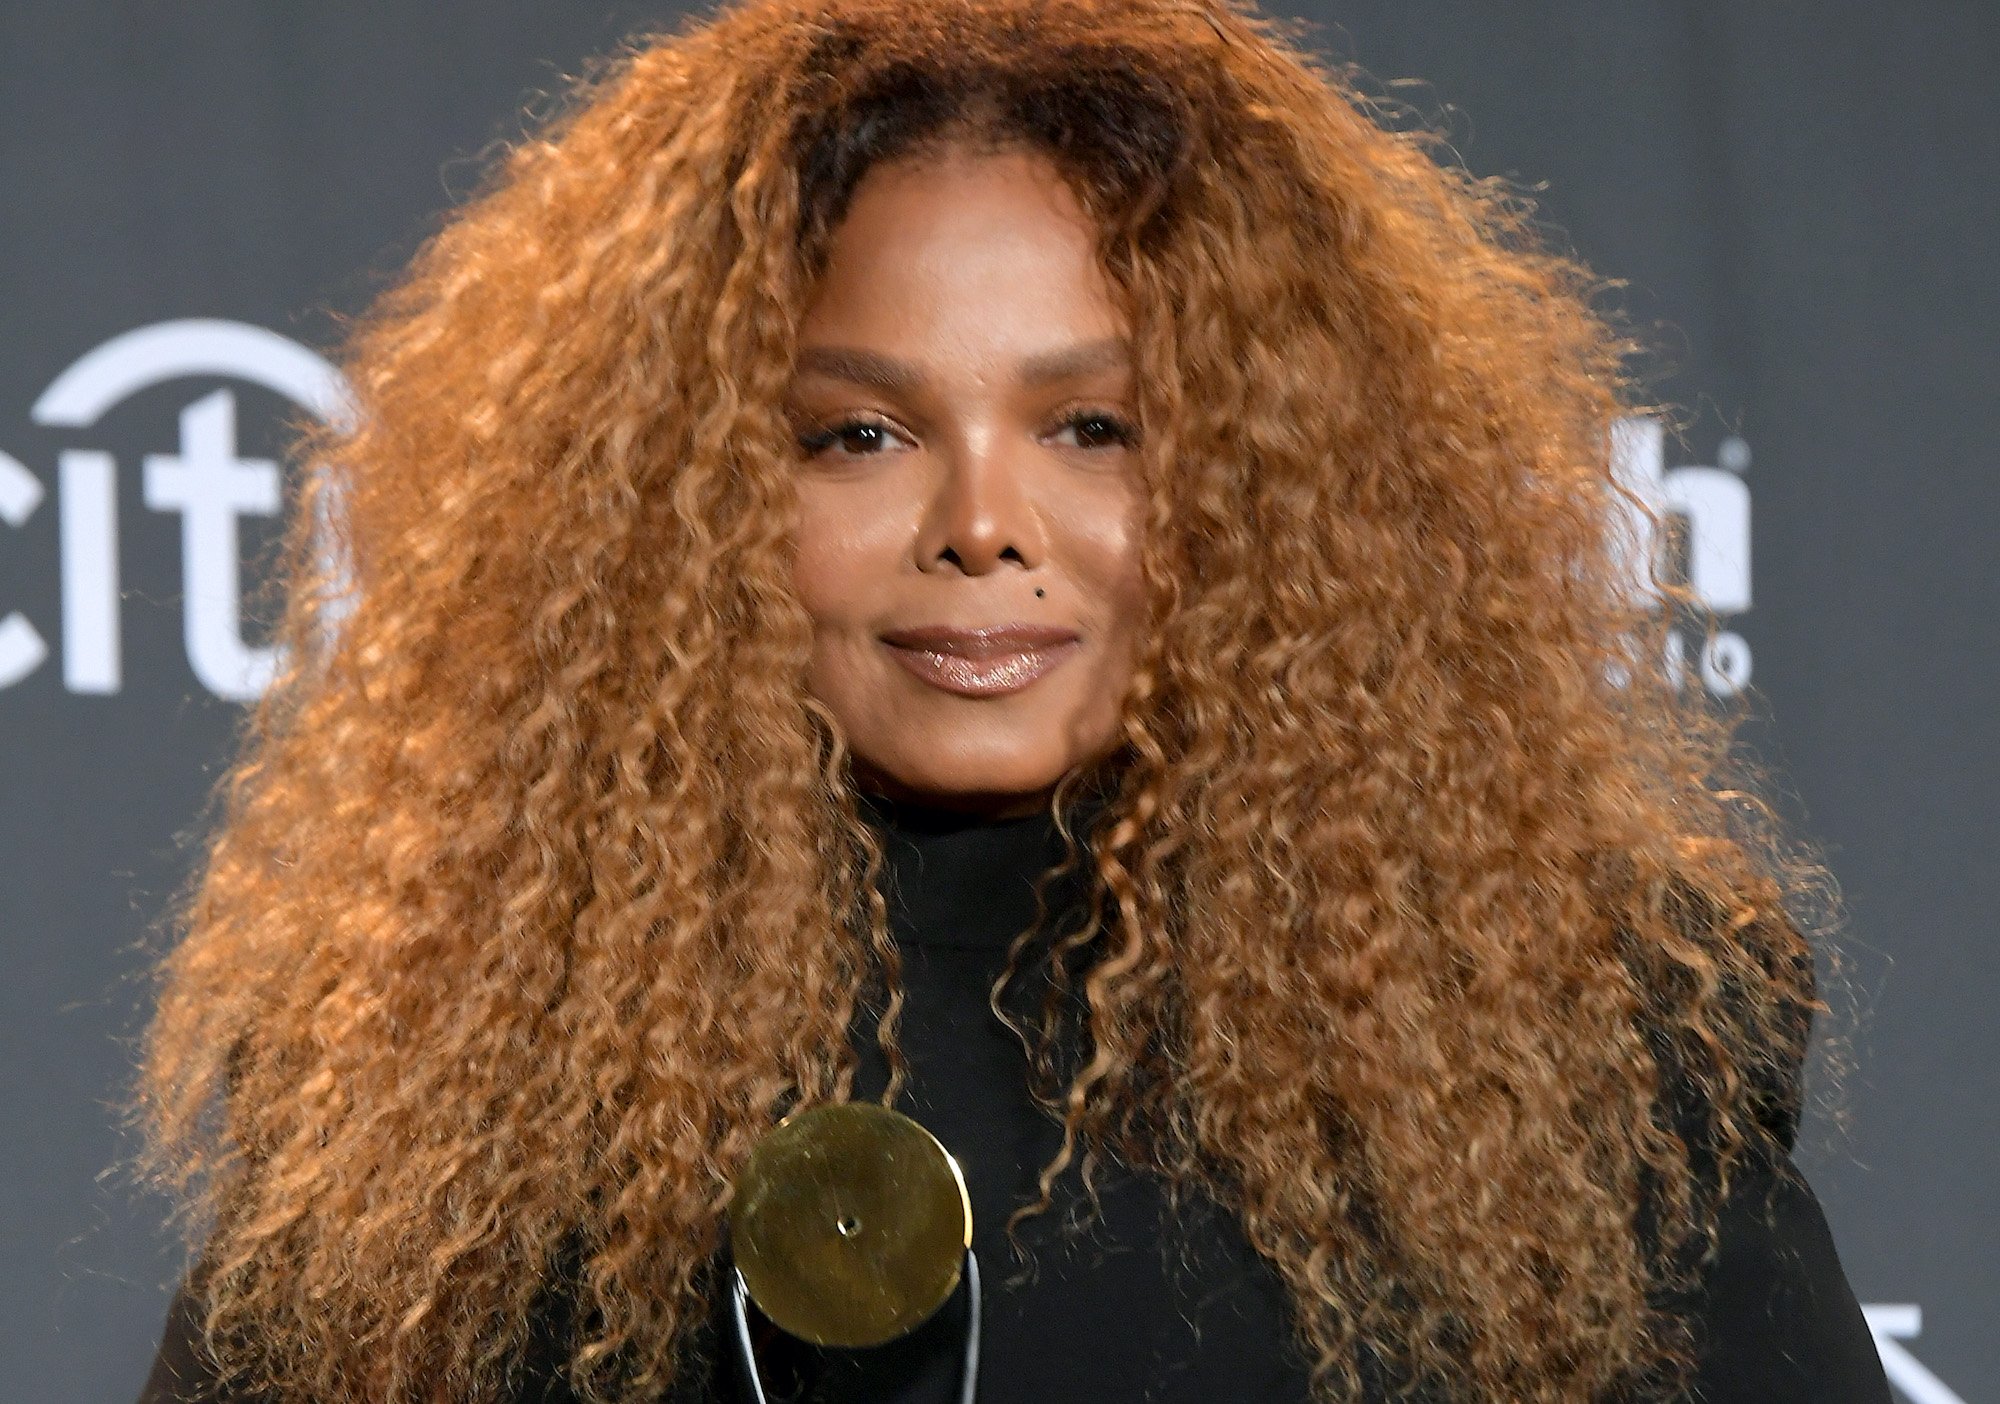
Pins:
<point x="859" y="437"/>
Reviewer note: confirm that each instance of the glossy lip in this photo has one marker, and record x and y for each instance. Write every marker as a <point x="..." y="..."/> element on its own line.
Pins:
<point x="981" y="662"/>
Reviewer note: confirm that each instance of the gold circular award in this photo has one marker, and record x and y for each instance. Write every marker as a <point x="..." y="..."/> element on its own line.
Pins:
<point x="850" y="1224"/>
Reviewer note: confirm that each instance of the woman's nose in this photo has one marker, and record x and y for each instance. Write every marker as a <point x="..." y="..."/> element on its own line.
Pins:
<point x="982" y="514"/>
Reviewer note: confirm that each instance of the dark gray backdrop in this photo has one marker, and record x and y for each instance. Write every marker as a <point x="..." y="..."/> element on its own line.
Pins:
<point x="1802" y="198"/>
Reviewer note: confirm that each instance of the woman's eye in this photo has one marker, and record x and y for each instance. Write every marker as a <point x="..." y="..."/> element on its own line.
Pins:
<point x="859" y="437"/>
<point x="1096" y="429"/>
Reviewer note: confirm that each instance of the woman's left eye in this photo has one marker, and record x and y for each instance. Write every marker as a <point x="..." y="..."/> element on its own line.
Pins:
<point x="1099" y="429"/>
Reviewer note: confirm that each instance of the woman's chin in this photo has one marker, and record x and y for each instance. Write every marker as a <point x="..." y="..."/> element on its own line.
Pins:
<point x="996" y="790"/>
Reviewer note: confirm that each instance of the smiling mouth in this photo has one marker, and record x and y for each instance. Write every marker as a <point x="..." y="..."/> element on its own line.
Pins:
<point x="989" y="662"/>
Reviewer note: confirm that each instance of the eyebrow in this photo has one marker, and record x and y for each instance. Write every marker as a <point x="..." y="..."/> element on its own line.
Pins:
<point x="887" y="373"/>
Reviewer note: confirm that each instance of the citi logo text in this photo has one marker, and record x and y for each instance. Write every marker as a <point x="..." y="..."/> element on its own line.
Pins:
<point x="205" y="480"/>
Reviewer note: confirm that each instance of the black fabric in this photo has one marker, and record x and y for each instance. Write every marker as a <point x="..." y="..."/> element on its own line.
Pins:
<point x="1147" y="1305"/>
<point x="1140" y="1305"/>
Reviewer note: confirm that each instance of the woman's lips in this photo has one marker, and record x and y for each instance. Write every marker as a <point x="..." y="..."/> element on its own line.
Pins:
<point x="990" y="662"/>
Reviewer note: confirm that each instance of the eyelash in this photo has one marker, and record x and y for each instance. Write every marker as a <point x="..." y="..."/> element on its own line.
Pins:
<point x="819" y="440"/>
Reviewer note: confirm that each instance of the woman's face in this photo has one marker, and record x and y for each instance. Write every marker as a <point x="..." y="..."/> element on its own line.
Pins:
<point x="969" y="505"/>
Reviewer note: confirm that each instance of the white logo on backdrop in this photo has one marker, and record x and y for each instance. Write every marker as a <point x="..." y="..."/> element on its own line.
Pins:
<point x="1891" y="1326"/>
<point x="1715" y="504"/>
<point x="206" y="482"/>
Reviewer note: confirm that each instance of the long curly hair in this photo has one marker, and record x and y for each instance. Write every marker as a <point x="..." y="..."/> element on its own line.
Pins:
<point x="1434" y="932"/>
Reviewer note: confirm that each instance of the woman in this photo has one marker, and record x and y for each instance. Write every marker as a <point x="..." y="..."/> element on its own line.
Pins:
<point x="893" y="525"/>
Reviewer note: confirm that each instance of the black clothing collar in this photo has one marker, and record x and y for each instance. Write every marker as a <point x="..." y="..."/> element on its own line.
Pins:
<point x="965" y="881"/>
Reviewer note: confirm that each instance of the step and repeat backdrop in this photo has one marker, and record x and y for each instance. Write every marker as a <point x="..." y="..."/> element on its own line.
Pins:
<point x="191" y="195"/>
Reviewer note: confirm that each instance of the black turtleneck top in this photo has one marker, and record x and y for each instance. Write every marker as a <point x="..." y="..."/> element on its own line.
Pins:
<point x="1147" y="1303"/>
